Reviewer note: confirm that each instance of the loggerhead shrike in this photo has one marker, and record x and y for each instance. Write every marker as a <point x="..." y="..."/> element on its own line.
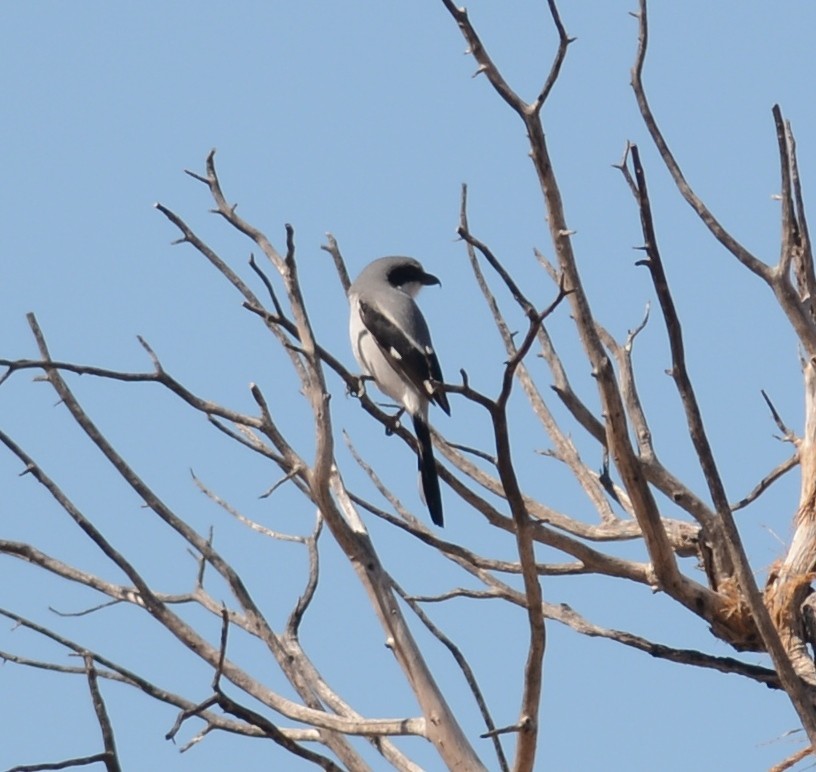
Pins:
<point x="392" y="344"/>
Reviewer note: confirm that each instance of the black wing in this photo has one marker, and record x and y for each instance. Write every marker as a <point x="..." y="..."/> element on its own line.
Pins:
<point x="420" y="367"/>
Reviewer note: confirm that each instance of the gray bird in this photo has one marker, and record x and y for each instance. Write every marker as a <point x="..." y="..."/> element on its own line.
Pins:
<point x="392" y="344"/>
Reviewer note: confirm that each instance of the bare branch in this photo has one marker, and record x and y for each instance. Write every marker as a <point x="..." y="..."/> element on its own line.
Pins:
<point x="679" y="371"/>
<point x="190" y="237"/>
<point x="111" y="758"/>
<point x="268" y="284"/>
<point x="115" y="672"/>
<point x="76" y="762"/>
<point x="305" y="598"/>
<point x="766" y="482"/>
<point x="724" y="237"/>
<point x="617" y="469"/>
<point x="790" y="228"/>
<point x="479" y="53"/>
<point x="787" y="434"/>
<point x="227" y="211"/>
<point x="333" y="249"/>
<point x="736" y="551"/>
<point x="242" y="518"/>
<point x="555" y="69"/>
<point x="464" y="232"/>
<point x="464" y="666"/>
<point x="256" y="719"/>
<point x="803" y="257"/>
<point x="792" y="760"/>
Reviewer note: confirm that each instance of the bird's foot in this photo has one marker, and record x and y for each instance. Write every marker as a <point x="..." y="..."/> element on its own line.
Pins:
<point x="392" y="425"/>
<point x="359" y="389"/>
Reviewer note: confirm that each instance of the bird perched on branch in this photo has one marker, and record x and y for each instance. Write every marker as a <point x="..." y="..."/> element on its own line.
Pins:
<point x="392" y="344"/>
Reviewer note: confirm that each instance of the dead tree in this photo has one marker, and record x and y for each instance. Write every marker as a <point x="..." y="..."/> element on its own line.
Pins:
<point x="318" y="724"/>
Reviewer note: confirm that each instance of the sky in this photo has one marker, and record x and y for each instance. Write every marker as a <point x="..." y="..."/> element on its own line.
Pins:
<point x="362" y="119"/>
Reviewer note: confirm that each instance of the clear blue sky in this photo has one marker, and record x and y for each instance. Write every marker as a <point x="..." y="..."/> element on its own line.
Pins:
<point x="361" y="118"/>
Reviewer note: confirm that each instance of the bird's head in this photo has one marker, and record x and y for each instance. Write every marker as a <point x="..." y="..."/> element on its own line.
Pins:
<point x="406" y="274"/>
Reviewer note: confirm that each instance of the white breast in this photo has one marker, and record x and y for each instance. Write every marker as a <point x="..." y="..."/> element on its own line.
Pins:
<point x="376" y="364"/>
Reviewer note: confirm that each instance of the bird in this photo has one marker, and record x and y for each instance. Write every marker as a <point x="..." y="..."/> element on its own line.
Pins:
<point x="392" y="344"/>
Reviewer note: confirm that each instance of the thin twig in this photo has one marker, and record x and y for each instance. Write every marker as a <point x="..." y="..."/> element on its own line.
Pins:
<point x="766" y="482"/>
<point x="111" y="758"/>
<point x="723" y="236"/>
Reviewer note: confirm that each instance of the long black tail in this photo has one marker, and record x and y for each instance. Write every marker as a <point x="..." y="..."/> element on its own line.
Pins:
<point x="427" y="471"/>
